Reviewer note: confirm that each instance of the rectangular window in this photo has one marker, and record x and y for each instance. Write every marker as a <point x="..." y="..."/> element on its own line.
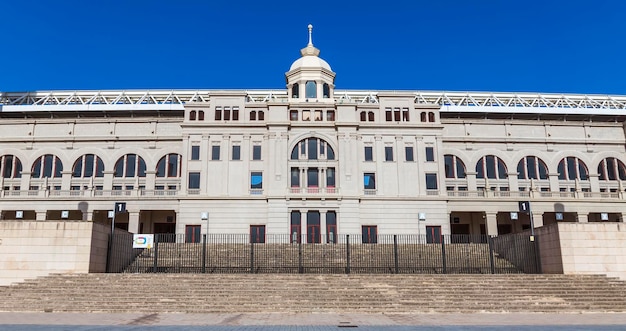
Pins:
<point x="215" y="152"/>
<point x="257" y="234"/>
<point x="235" y="113"/>
<point x="218" y="113"/>
<point x="256" y="152"/>
<point x="430" y="154"/>
<point x="396" y="114"/>
<point x="194" y="180"/>
<point x="369" y="181"/>
<point x="433" y="235"/>
<point x="192" y="233"/>
<point x="312" y="177"/>
<point x="369" y="234"/>
<point x="226" y="113"/>
<point x="388" y="153"/>
<point x="388" y="115"/>
<point x="431" y="181"/>
<point x="256" y="180"/>
<point x="318" y="115"/>
<point x="306" y="115"/>
<point x="295" y="225"/>
<point x="312" y="149"/>
<point x="330" y="177"/>
<point x="195" y="152"/>
<point x="331" y="227"/>
<point x="408" y="150"/>
<point x="295" y="177"/>
<point x="313" y="229"/>
<point x="369" y="154"/>
<point x="236" y="152"/>
<point x="330" y="115"/>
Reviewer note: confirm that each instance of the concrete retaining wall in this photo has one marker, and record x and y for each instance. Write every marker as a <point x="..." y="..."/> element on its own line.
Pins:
<point x="33" y="249"/>
<point x="584" y="248"/>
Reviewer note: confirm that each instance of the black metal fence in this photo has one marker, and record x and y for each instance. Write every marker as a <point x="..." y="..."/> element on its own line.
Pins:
<point x="459" y="254"/>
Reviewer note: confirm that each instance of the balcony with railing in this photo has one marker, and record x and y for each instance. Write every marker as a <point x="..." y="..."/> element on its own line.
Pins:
<point x="548" y="195"/>
<point x="88" y="193"/>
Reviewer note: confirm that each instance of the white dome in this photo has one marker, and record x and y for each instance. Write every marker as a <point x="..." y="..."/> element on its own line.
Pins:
<point x="310" y="61"/>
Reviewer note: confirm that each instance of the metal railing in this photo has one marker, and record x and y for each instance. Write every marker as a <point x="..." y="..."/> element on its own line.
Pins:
<point x="234" y="253"/>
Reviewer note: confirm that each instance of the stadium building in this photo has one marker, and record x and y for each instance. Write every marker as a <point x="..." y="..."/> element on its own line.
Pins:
<point x="312" y="160"/>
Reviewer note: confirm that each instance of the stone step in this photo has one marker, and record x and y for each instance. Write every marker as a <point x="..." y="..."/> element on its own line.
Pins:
<point x="315" y="293"/>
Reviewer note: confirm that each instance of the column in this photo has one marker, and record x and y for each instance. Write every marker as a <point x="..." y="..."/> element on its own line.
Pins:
<point x="66" y="180"/>
<point x="303" y="224"/>
<point x="513" y="182"/>
<point x="88" y="216"/>
<point x="322" y="180"/>
<point x="133" y="221"/>
<point x="25" y="181"/>
<point x="491" y="223"/>
<point x="538" y="219"/>
<point x="323" y="232"/>
<point x="108" y="179"/>
<point x="554" y="181"/>
<point x="40" y="215"/>
<point x="471" y="180"/>
<point x="151" y="180"/>
<point x="582" y="217"/>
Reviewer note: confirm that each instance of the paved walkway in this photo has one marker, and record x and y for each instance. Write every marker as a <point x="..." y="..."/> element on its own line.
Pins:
<point x="617" y="320"/>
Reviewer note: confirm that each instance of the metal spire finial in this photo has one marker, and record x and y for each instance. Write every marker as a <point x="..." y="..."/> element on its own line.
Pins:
<point x="310" y="35"/>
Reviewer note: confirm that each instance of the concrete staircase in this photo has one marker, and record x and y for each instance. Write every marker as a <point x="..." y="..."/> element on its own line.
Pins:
<point x="366" y="293"/>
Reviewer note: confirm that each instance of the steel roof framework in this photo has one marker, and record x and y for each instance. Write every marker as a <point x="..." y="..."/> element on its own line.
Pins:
<point x="175" y="99"/>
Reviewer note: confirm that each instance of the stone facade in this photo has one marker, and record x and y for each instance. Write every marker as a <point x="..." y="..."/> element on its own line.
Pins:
<point x="308" y="159"/>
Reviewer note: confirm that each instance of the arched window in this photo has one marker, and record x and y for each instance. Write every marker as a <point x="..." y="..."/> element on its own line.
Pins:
<point x="612" y="169"/>
<point x="572" y="168"/>
<point x="326" y="91"/>
<point x="88" y="166"/>
<point x="532" y="167"/>
<point x="431" y="116"/>
<point x="423" y="116"/>
<point x="130" y="165"/>
<point x="295" y="91"/>
<point x="169" y="166"/>
<point x="200" y="115"/>
<point x="261" y="116"/>
<point x="10" y="167"/>
<point x="310" y="89"/>
<point x="312" y="149"/>
<point x="47" y="166"/>
<point x="363" y="116"/>
<point x="491" y="166"/>
<point x="455" y="168"/>
<point x="370" y="116"/>
<point x="253" y="115"/>
<point x="192" y="115"/>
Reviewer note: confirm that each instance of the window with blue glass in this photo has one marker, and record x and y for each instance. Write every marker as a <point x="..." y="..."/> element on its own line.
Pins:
<point x="256" y="180"/>
<point x="369" y="181"/>
<point x="310" y="89"/>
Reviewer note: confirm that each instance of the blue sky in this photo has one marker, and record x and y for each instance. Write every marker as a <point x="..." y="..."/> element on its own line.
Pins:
<point x="480" y="45"/>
